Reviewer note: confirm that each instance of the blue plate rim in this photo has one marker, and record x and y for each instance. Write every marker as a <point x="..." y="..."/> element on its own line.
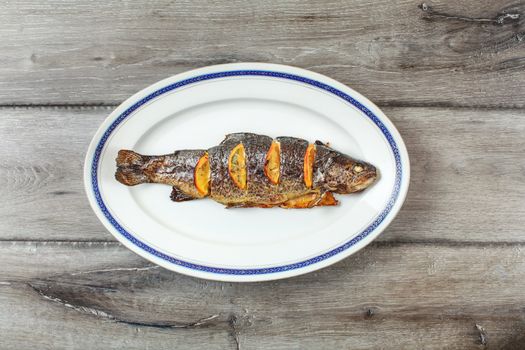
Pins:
<point x="236" y="73"/>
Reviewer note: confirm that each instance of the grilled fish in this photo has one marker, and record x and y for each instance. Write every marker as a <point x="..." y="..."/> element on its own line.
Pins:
<point x="250" y="170"/>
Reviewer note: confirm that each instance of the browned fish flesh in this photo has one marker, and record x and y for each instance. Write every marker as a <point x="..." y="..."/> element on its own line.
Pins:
<point x="251" y="170"/>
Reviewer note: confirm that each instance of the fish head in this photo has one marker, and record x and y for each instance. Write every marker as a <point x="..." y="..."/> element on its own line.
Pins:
<point x="347" y="175"/>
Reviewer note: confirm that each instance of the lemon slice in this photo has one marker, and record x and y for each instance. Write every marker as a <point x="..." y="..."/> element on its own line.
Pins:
<point x="237" y="166"/>
<point x="272" y="164"/>
<point x="201" y="175"/>
<point x="309" y="158"/>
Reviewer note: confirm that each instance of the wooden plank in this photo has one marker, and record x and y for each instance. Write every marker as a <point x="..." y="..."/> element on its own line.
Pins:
<point x="462" y="53"/>
<point x="43" y="196"/>
<point x="460" y="170"/>
<point x="386" y="296"/>
<point x="43" y="325"/>
<point x="467" y="175"/>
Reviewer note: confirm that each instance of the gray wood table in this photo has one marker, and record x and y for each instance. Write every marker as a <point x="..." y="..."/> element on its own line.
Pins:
<point x="449" y="273"/>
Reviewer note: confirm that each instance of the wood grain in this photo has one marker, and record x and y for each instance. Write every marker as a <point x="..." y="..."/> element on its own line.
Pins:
<point x="467" y="182"/>
<point x="462" y="53"/>
<point x="93" y="295"/>
<point x="448" y="273"/>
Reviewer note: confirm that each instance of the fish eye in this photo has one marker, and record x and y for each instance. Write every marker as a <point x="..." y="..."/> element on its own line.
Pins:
<point x="357" y="168"/>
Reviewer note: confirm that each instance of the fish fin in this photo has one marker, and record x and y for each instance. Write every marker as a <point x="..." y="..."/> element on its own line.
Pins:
<point x="233" y="206"/>
<point x="126" y="158"/>
<point x="178" y="196"/>
<point x="302" y="202"/>
<point x="238" y="137"/>
<point x="250" y="205"/>
<point x="310" y="200"/>
<point x="327" y="199"/>
<point x="129" y="168"/>
<point x="321" y="143"/>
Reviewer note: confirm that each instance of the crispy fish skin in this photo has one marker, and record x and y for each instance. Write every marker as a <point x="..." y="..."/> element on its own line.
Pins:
<point x="292" y="158"/>
<point x="175" y="169"/>
<point x="259" y="188"/>
<point x="333" y="172"/>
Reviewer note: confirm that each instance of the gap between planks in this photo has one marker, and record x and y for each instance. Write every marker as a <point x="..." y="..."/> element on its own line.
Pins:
<point x="376" y="244"/>
<point x="381" y="104"/>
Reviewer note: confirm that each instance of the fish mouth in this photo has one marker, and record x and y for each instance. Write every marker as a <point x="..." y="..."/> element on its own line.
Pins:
<point x="367" y="180"/>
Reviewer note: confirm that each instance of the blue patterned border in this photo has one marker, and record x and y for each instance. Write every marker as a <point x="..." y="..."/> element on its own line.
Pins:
<point x="217" y="270"/>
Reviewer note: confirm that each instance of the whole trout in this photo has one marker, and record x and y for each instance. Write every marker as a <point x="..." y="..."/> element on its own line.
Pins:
<point x="250" y="170"/>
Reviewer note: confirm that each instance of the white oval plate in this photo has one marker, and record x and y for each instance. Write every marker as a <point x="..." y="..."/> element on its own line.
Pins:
<point x="195" y="110"/>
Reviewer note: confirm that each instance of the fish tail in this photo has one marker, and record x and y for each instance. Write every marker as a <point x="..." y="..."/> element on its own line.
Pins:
<point x="130" y="168"/>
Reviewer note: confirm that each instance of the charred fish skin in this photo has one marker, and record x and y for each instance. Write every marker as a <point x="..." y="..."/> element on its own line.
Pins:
<point x="176" y="169"/>
<point x="328" y="170"/>
<point x="222" y="187"/>
<point x="292" y="166"/>
<point x="259" y="189"/>
<point x="323" y="160"/>
<point x="339" y="173"/>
